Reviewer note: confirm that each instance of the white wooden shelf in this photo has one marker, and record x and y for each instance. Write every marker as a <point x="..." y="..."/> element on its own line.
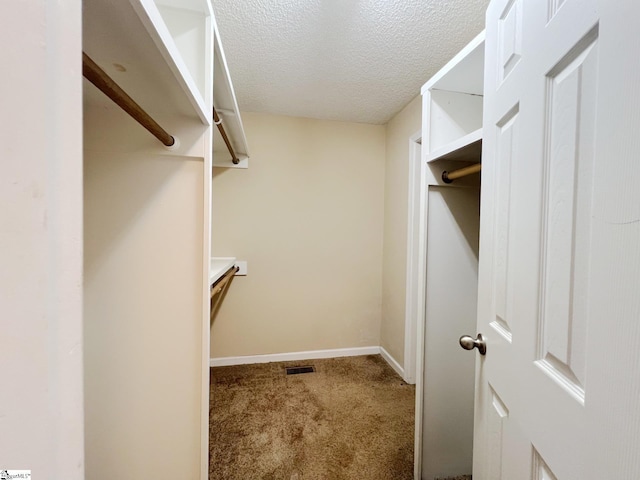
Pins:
<point x="224" y="99"/>
<point x="444" y="229"/>
<point x="464" y="73"/>
<point x="158" y="52"/>
<point x="218" y="266"/>
<point x="452" y="107"/>
<point x="465" y="149"/>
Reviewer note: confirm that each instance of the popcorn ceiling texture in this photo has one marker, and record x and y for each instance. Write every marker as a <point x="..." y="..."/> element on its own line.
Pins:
<point x="349" y="60"/>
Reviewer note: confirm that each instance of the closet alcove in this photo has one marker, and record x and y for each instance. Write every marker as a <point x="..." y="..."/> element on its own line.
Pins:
<point x="450" y="222"/>
<point x="147" y="235"/>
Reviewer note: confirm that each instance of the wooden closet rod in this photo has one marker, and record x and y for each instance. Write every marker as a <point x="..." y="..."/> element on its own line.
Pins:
<point x="111" y="89"/>
<point x="218" y="122"/>
<point x="448" y="177"/>
<point x="218" y="286"/>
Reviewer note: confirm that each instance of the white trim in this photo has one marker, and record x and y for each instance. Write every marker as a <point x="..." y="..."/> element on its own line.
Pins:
<point x="392" y="363"/>
<point x="293" y="356"/>
<point x="411" y="319"/>
<point x="206" y="308"/>
<point x="421" y="177"/>
<point x="416" y="286"/>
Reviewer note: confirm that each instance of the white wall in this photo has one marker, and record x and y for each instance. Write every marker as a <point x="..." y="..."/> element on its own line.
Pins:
<point x="41" y="416"/>
<point x="308" y="217"/>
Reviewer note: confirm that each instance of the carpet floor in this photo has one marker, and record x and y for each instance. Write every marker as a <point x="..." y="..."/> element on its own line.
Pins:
<point x="351" y="419"/>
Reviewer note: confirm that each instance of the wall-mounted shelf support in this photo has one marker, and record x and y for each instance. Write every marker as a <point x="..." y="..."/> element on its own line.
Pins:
<point x="92" y="72"/>
<point x="218" y="122"/>
<point x="449" y="177"/>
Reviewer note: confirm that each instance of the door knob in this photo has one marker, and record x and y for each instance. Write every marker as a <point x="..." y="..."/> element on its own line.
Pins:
<point x="469" y="343"/>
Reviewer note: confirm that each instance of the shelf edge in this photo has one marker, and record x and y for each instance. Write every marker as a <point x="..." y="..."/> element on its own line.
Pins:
<point x="153" y="22"/>
<point x="457" y="145"/>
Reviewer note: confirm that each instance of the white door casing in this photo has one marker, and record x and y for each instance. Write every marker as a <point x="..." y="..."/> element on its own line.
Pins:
<point x="412" y="315"/>
<point x="557" y="394"/>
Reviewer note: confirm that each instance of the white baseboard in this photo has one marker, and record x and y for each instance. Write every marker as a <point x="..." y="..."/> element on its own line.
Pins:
<point x="287" y="357"/>
<point x="392" y="362"/>
<point x="311" y="355"/>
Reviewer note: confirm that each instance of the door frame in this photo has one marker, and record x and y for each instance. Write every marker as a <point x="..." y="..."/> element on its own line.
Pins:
<point x="412" y="315"/>
<point x="416" y="281"/>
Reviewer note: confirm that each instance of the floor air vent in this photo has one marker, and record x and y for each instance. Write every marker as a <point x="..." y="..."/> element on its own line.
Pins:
<point x="297" y="370"/>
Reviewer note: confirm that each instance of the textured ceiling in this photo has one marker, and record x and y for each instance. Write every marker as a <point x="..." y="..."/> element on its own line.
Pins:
<point x="350" y="60"/>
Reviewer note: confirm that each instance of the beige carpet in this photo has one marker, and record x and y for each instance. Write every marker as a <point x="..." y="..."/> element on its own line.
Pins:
<point x="351" y="419"/>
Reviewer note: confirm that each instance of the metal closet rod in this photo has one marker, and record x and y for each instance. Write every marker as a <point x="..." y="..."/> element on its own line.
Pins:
<point x="218" y="122"/>
<point x="448" y="177"/>
<point x="111" y="89"/>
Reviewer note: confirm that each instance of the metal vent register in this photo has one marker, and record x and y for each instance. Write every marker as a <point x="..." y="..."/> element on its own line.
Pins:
<point x="297" y="370"/>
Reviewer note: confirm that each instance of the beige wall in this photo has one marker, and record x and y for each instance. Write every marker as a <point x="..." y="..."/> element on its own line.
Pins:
<point x="308" y="217"/>
<point x="398" y="132"/>
<point x="143" y="309"/>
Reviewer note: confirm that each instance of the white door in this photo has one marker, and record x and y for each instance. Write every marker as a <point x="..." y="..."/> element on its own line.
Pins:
<point x="558" y="391"/>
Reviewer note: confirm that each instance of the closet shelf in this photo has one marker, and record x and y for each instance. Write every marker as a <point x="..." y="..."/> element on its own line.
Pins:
<point x="226" y="105"/>
<point x="218" y="266"/>
<point x="154" y="51"/>
<point x="464" y="149"/>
